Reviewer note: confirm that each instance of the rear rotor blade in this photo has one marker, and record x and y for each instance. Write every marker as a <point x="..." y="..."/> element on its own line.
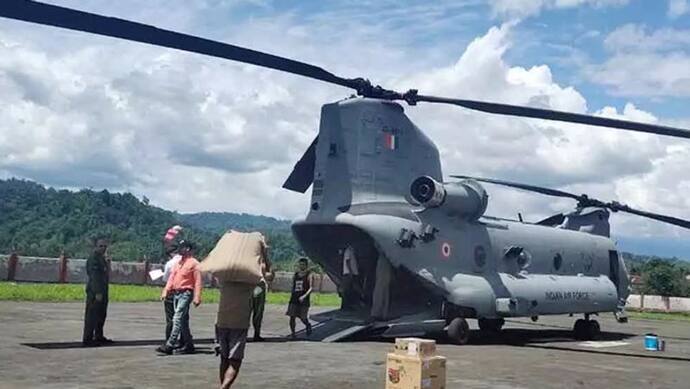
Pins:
<point x="52" y="15"/>
<point x="302" y="175"/>
<point x="531" y="188"/>
<point x="583" y="201"/>
<point x="552" y="220"/>
<point x="568" y="117"/>
<point x="662" y="218"/>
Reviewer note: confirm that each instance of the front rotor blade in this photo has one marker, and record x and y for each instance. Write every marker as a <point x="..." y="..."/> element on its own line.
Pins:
<point x="302" y="175"/>
<point x="52" y="15"/>
<point x="663" y="218"/>
<point x="539" y="113"/>
<point x="531" y="188"/>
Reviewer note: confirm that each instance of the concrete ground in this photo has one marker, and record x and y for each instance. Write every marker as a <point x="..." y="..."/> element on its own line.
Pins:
<point x="39" y="348"/>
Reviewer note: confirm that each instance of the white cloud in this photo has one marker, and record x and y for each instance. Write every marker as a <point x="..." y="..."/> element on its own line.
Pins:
<point x="677" y="8"/>
<point x="643" y="63"/>
<point x="602" y="162"/>
<point x="635" y="38"/>
<point x="525" y="8"/>
<point x="194" y="133"/>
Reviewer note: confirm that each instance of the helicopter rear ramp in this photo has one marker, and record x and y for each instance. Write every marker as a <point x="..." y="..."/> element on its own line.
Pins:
<point x="342" y="326"/>
<point x="336" y="326"/>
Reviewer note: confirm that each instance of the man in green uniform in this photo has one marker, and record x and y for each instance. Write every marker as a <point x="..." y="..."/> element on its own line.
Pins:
<point x="97" y="279"/>
<point x="259" y="294"/>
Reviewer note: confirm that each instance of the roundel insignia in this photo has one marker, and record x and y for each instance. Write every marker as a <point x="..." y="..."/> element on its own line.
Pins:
<point x="445" y="250"/>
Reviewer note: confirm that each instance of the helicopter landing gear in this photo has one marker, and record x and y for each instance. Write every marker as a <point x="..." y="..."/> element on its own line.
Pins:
<point x="458" y="331"/>
<point x="586" y="329"/>
<point x="491" y="326"/>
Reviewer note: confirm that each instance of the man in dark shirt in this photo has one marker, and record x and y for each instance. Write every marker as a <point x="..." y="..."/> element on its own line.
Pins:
<point x="302" y="286"/>
<point x="96" y="296"/>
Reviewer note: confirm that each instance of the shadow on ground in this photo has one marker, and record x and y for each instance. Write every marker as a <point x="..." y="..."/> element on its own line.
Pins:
<point x="131" y="343"/>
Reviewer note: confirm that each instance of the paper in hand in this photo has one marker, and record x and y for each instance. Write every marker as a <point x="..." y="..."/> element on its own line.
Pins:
<point x="156" y="274"/>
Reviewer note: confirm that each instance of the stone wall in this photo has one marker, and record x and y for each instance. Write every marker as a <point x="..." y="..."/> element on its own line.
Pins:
<point x="34" y="269"/>
<point x="37" y="269"/>
<point x="3" y="267"/>
<point x="658" y="303"/>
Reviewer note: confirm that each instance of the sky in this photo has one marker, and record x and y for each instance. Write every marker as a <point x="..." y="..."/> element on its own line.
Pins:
<point x="194" y="133"/>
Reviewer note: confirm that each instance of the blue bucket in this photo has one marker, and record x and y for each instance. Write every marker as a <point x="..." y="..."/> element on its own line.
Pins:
<point x="651" y="342"/>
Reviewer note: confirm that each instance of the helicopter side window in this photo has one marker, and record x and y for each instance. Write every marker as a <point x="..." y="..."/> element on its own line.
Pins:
<point x="557" y="261"/>
<point x="524" y="259"/>
<point x="480" y="256"/>
<point x="521" y="257"/>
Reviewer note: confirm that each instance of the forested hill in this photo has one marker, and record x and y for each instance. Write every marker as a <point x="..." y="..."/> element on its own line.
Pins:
<point x="40" y="221"/>
<point x="219" y="221"/>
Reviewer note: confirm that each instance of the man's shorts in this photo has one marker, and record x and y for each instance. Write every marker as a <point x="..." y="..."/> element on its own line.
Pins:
<point x="298" y="310"/>
<point x="231" y="342"/>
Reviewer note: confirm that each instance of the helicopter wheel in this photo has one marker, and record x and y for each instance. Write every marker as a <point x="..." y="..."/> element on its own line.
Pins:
<point x="594" y="329"/>
<point x="491" y="325"/>
<point x="458" y="331"/>
<point x="586" y="329"/>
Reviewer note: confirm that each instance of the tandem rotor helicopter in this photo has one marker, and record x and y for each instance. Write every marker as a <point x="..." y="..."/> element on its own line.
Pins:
<point x="377" y="185"/>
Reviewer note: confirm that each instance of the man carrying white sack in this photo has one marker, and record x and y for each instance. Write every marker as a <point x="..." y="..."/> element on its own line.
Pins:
<point x="236" y="262"/>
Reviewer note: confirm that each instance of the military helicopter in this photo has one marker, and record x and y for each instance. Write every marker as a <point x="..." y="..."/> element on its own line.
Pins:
<point x="377" y="186"/>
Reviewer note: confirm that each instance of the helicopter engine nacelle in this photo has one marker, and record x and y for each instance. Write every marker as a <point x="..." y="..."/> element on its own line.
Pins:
<point x="466" y="199"/>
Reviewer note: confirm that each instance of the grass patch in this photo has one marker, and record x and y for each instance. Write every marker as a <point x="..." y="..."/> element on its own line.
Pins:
<point x="11" y="291"/>
<point x="655" y="315"/>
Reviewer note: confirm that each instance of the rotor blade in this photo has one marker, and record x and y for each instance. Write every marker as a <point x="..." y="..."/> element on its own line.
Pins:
<point x="52" y="15"/>
<point x="539" y="113"/>
<point x="302" y="174"/>
<point x="531" y="188"/>
<point x="663" y="218"/>
<point x="552" y="220"/>
<point x="583" y="201"/>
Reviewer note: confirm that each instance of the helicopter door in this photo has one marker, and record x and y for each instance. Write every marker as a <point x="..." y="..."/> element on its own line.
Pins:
<point x="614" y="270"/>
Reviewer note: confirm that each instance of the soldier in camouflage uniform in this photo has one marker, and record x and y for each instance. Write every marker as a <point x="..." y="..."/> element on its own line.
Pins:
<point x="96" y="296"/>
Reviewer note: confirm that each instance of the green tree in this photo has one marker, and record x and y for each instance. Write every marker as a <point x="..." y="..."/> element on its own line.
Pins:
<point x="40" y="221"/>
<point x="663" y="278"/>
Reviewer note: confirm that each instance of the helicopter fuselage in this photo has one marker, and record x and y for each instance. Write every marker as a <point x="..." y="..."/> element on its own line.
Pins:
<point x="367" y="155"/>
<point x="484" y="269"/>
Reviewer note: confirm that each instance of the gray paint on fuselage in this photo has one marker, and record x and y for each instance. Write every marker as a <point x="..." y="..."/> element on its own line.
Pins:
<point x="355" y="168"/>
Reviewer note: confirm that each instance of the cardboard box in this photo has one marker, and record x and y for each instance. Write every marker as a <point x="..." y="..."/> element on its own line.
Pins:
<point x="415" y="347"/>
<point x="409" y="372"/>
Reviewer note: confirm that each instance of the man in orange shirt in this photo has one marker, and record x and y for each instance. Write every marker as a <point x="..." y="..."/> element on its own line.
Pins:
<point x="185" y="286"/>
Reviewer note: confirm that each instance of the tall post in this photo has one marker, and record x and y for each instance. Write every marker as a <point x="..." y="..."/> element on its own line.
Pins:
<point x="12" y="266"/>
<point x="147" y="269"/>
<point x="62" y="268"/>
